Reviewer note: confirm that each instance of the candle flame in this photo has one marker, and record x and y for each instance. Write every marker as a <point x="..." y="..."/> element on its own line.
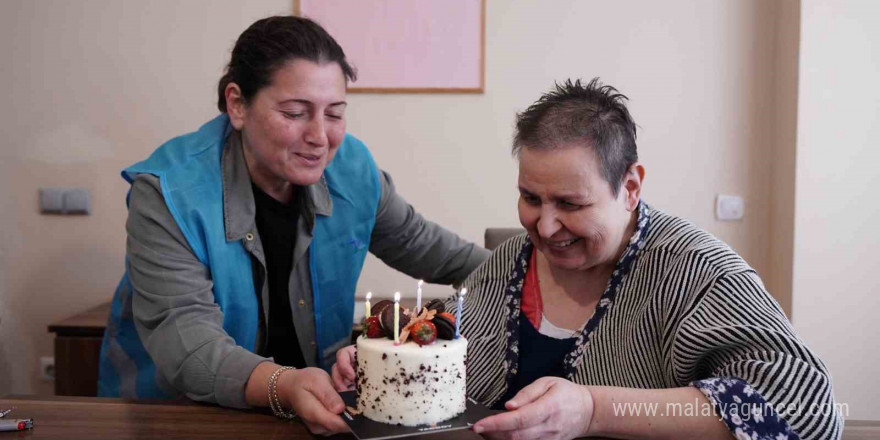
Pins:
<point x="396" y="296"/>
<point x="463" y="291"/>
<point x="421" y="282"/>
<point x="369" y="295"/>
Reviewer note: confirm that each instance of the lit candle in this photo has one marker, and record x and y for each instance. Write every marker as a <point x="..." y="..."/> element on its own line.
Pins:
<point x="396" y="318"/>
<point x="367" y="304"/>
<point x="458" y="313"/>
<point x="419" y="297"/>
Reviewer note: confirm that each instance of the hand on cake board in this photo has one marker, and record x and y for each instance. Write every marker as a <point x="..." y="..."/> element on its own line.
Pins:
<point x="549" y="408"/>
<point x="343" y="370"/>
<point x="310" y="393"/>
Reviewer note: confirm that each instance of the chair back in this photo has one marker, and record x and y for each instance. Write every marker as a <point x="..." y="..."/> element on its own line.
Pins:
<point x="495" y="236"/>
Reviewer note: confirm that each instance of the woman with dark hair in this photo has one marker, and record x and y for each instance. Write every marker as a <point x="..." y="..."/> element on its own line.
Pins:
<point x="609" y="318"/>
<point x="246" y="239"/>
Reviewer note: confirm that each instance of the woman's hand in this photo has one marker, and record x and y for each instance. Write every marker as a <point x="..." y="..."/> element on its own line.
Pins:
<point x="309" y="391"/>
<point x="549" y="408"/>
<point x="343" y="370"/>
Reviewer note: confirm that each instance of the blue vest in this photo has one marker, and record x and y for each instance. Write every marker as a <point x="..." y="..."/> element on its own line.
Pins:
<point x="189" y="172"/>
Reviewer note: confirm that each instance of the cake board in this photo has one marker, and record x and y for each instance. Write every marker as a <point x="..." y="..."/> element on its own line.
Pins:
<point x="366" y="429"/>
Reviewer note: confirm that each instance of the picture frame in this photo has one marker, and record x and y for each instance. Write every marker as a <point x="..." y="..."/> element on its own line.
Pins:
<point x="407" y="46"/>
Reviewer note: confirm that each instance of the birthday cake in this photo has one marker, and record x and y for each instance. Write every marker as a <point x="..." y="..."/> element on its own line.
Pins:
<point x="420" y="380"/>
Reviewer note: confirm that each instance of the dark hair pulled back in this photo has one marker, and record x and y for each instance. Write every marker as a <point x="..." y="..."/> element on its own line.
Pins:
<point x="270" y="43"/>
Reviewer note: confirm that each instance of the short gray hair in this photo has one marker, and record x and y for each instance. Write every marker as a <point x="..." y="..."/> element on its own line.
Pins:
<point x="594" y="114"/>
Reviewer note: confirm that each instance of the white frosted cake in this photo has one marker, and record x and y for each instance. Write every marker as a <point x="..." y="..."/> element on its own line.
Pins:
<point x="411" y="384"/>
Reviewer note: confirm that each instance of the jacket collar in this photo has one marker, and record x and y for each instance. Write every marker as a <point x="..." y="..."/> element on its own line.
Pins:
<point x="239" y="209"/>
<point x="319" y="198"/>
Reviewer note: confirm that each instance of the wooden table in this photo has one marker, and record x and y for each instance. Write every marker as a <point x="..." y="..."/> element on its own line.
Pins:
<point x="861" y="430"/>
<point x="78" y="351"/>
<point x="102" y="418"/>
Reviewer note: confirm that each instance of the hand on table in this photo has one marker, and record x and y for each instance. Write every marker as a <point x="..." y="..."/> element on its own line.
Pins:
<point x="549" y="408"/>
<point x="309" y="391"/>
<point x="343" y="370"/>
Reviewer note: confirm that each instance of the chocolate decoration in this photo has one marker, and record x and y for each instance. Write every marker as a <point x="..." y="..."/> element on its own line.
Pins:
<point x="445" y="327"/>
<point x="436" y="304"/>
<point x="387" y="320"/>
<point x="376" y="309"/>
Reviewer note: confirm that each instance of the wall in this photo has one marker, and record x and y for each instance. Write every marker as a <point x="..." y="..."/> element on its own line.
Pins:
<point x="836" y="235"/>
<point x="98" y="84"/>
<point x="782" y="153"/>
<point x="699" y="75"/>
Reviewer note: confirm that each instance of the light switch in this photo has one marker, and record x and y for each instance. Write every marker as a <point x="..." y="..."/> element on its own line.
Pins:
<point x="728" y="208"/>
<point x="51" y="200"/>
<point x="76" y="201"/>
<point x="65" y="201"/>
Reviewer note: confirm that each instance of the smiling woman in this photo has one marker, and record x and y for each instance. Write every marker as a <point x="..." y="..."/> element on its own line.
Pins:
<point x="608" y="306"/>
<point x="246" y="239"/>
<point x="292" y="128"/>
<point x="579" y="222"/>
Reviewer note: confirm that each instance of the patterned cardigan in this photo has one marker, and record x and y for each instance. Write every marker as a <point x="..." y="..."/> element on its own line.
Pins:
<point x="681" y="309"/>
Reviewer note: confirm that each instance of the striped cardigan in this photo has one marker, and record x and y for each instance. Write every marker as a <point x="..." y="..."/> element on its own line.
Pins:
<point x="681" y="309"/>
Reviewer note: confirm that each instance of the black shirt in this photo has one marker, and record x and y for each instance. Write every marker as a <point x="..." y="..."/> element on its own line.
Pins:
<point x="276" y="222"/>
<point x="539" y="356"/>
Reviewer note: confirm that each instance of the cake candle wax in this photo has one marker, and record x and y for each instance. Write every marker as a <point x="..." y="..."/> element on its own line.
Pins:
<point x="458" y="313"/>
<point x="419" y="297"/>
<point x="367" y="304"/>
<point x="396" y="329"/>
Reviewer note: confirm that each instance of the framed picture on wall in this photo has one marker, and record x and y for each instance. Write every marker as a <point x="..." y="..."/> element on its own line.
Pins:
<point x="407" y="46"/>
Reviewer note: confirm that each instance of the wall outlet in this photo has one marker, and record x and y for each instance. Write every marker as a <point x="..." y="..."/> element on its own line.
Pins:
<point x="729" y="208"/>
<point x="47" y="367"/>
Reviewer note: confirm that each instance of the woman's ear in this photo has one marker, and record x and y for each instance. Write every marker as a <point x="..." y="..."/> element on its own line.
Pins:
<point x="236" y="108"/>
<point x="632" y="185"/>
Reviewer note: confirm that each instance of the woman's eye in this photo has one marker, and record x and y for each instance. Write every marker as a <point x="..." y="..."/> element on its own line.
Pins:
<point x="531" y="200"/>
<point x="334" y="116"/>
<point x="293" y="115"/>
<point x="570" y="206"/>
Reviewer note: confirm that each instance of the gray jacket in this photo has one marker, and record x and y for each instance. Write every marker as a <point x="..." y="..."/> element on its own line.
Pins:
<point x="162" y="265"/>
